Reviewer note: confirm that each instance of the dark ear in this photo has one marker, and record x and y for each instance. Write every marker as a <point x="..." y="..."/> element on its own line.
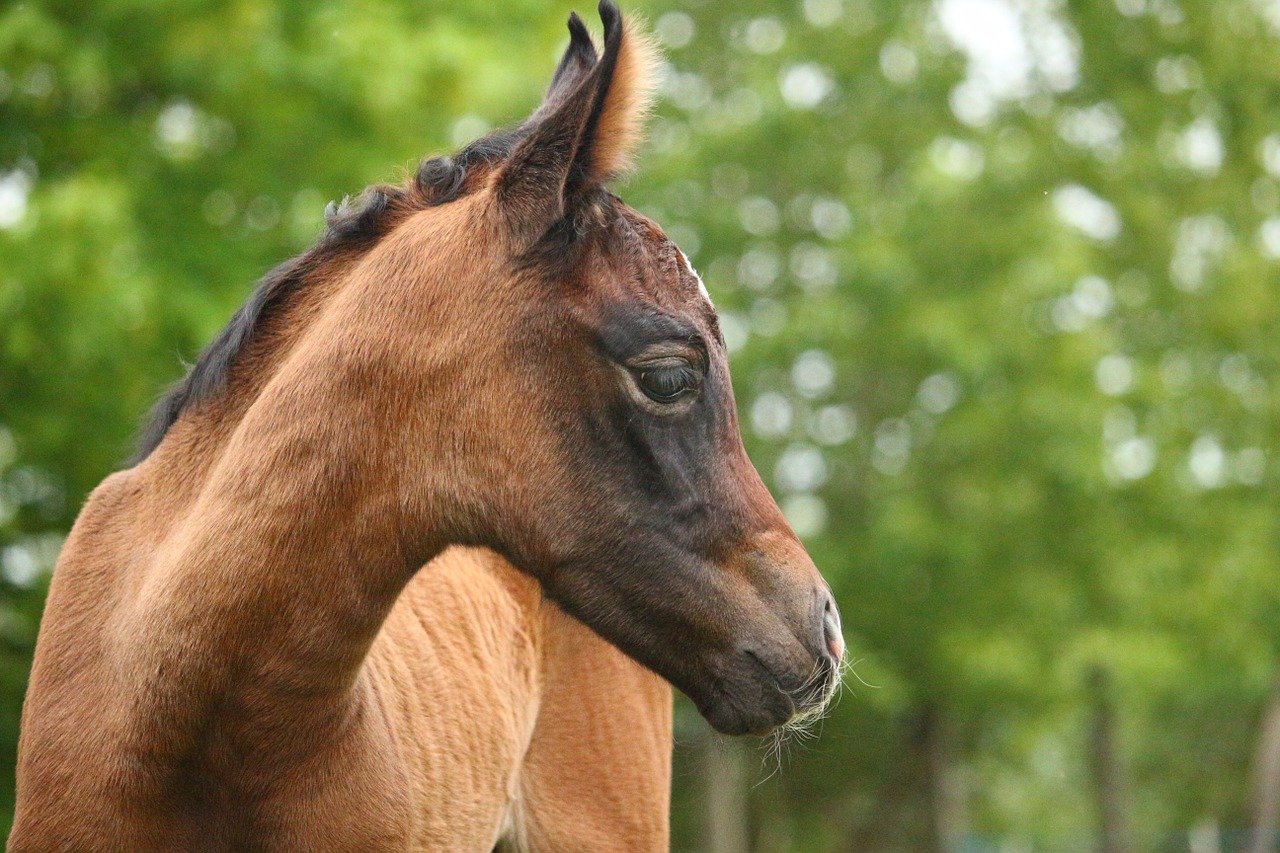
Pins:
<point x="576" y="64"/>
<point x="588" y="128"/>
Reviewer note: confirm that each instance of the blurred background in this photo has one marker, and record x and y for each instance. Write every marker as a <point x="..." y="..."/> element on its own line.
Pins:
<point x="999" y="278"/>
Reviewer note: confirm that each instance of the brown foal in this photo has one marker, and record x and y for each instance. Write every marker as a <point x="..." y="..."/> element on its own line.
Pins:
<point x="239" y="649"/>
<point x="566" y="741"/>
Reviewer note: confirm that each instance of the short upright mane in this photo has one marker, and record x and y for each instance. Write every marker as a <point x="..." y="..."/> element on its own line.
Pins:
<point x="614" y="89"/>
<point x="355" y="225"/>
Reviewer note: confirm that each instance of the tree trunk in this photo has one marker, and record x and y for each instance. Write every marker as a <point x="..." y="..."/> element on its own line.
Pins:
<point x="1107" y="767"/>
<point x="1205" y="837"/>
<point x="725" y="771"/>
<point x="946" y="784"/>
<point x="1266" y="779"/>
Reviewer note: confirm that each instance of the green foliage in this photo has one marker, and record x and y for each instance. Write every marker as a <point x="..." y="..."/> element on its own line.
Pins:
<point x="1004" y="335"/>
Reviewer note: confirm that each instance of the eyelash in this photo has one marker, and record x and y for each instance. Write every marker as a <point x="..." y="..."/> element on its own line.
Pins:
<point x="667" y="381"/>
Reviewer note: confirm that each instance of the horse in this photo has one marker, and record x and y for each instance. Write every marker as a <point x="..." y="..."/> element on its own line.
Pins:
<point x="255" y="638"/>
<point x="577" y="754"/>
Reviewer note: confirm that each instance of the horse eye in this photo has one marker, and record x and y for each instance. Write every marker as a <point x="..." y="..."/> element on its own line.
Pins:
<point x="667" y="382"/>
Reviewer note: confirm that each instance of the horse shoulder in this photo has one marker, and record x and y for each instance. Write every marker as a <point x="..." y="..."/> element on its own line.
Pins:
<point x="597" y="775"/>
<point x="68" y="710"/>
<point x="457" y="670"/>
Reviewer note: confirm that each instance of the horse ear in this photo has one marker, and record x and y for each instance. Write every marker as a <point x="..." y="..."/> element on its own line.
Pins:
<point x="588" y="128"/>
<point x="576" y="64"/>
<point x="623" y="98"/>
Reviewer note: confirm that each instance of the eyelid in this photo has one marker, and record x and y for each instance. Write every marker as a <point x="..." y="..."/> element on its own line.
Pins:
<point x="692" y="356"/>
<point x="687" y="377"/>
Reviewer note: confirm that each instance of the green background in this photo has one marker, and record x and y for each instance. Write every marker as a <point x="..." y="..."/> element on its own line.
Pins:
<point x="1000" y="279"/>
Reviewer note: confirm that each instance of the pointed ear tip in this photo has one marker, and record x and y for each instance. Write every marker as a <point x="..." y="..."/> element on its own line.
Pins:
<point x="609" y="13"/>
<point x="577" y="30"/>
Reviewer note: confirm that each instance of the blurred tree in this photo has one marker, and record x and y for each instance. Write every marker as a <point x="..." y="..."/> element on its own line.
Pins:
<point x="999" y="280"/>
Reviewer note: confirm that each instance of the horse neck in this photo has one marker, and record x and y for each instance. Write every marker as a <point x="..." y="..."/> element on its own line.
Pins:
<point x="277" y="545"/>
<point x="252" y="608"/>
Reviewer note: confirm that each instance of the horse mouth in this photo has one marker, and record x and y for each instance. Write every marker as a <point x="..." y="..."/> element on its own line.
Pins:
<point x="763" y="702"/>
<point x="730" y="718"/>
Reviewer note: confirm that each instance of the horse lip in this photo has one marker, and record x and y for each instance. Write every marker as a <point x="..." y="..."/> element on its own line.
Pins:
<point x="799" y="704"/>
<point x="772" y="676"/>
<point x="754" y="703"/>
<point x="763" y="667"/>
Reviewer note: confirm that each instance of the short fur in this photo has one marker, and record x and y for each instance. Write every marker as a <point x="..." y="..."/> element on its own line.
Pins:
<point x="256" y="639"/>
<point x="626" y="106"/>
<point x="620" y="114"/>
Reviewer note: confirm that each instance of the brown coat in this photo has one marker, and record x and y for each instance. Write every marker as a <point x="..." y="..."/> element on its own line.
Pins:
<point x="255" y="639"/>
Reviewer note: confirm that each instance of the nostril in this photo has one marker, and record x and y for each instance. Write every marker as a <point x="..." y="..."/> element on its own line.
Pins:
<point x="831" y="629"/>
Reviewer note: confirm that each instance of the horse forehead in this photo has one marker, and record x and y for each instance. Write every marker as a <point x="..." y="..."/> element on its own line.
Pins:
<point x="702" y="287"/>
<point x="667" y="277"/>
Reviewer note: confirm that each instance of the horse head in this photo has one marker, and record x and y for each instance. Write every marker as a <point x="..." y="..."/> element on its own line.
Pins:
<point x="617" y="474"/>
<point x="524" y="362"/>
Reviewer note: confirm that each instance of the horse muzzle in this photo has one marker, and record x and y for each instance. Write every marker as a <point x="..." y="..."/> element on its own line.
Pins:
<point x="778" y="677"/>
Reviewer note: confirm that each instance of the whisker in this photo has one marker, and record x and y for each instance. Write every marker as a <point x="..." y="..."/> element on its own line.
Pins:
<point x="851" y="671"/>
<point x="772" y="755"/>
<point x="818" y="693"/>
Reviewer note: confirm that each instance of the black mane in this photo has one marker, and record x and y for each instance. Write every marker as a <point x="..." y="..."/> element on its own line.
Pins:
<point x="354" y="224"/>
